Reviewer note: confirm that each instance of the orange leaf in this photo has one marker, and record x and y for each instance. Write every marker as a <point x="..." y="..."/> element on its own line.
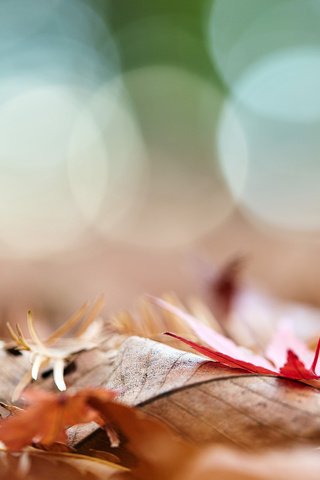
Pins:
<point x="48" y="416"/>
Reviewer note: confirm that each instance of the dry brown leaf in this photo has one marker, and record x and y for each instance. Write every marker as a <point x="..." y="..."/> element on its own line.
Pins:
<point x="153" y="451"/>
<point x="36" y="465"/>
<point x="149" y="447"/>
<point x="48" y="416"/>
<point x="201" y="400"/>
<point x="157" y="454"/>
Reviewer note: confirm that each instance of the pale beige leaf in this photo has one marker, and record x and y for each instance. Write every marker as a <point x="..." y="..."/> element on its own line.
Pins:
<point x="202" y="400"/>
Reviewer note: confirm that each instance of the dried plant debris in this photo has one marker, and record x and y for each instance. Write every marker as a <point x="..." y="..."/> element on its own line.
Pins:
<point x="145" y="320"/>
<point x="192" y="407"/>
<point x="56" y="352"/>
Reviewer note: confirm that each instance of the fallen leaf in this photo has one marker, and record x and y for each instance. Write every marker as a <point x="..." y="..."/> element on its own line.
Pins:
<point x="223" y="350"/>
<point x="48" y="416"/>
<point x="201" y="400"/>
<point x="247" y="314"/>
<point x="158" y="453"/>
<point x="290" y="414"/>
<point x="37" y="465"/>
<point x="222" y="286"/>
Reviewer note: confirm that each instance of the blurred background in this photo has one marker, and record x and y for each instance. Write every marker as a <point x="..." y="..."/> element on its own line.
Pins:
<point x="136" y="136"/>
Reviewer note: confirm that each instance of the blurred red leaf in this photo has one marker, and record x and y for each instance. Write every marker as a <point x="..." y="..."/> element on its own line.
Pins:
<point x="247" y="314"/>
<point x="222" y="286"/>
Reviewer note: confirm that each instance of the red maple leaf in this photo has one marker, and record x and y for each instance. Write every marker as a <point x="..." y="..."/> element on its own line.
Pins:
<point x="286" y="356"/>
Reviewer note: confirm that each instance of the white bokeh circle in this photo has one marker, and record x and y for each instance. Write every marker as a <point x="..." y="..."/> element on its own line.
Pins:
<point x="272" y="167"/>
<point x="283" y="85"/>
<point x="106" y="155"/>
<point x="178" y="195"/>
<point x="37" y="211"/>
